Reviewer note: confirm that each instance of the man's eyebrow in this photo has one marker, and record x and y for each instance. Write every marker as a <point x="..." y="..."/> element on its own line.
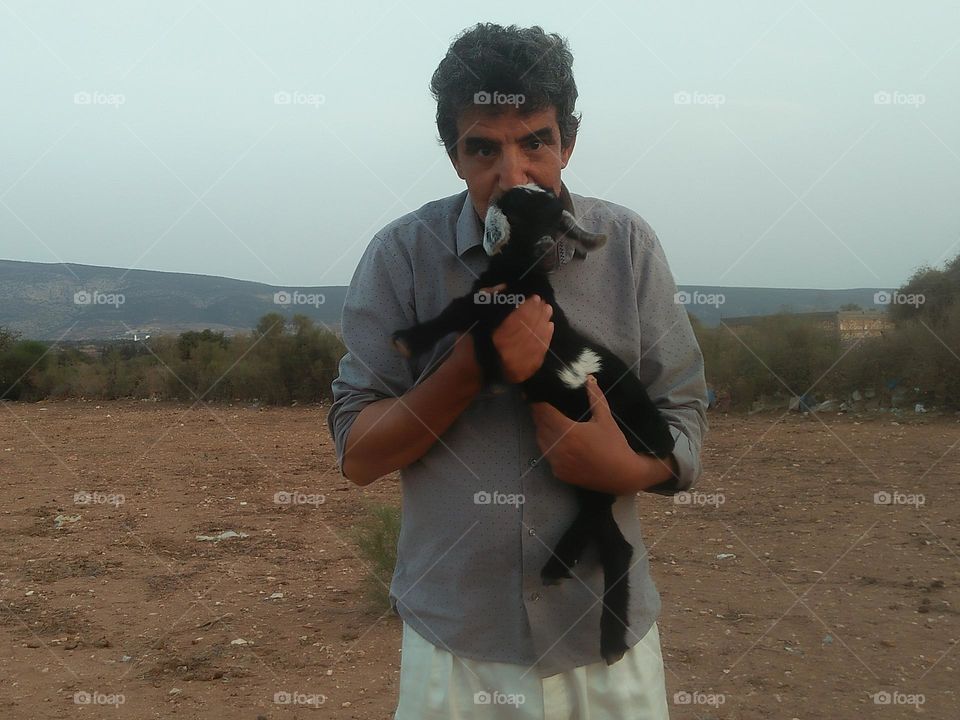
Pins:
<point x="544" y="135"/>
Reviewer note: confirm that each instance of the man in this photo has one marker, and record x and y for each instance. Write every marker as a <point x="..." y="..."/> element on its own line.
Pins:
<point x="487" y="479"/>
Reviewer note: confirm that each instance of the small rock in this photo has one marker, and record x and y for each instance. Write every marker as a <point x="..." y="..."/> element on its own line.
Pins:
<point x="175" y="691"/>
<point x="225" y="535"/>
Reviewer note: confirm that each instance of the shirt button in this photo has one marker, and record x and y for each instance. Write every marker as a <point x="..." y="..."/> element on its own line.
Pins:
<point x="535" y="596"/>
<point x="532" y="462"/>
<point x="532" y="531"/>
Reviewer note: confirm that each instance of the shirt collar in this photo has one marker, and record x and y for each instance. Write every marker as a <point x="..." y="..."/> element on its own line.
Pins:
<point x="470" y="227"/>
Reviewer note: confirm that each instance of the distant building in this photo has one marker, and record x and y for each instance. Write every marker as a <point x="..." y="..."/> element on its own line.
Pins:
<point x="850" y="325"/>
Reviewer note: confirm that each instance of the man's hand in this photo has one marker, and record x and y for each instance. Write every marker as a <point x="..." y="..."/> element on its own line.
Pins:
<point x="595" y="454"/>
<point x="522" y="340"/>
<point x="579" y="451"/>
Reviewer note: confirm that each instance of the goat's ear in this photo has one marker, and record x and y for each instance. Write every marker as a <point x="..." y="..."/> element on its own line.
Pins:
<point x="584" y="239"/>
<point x="496" y="230"/>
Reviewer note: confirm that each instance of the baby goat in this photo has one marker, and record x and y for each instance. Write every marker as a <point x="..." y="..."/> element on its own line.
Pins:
<point x="521" y="235"/>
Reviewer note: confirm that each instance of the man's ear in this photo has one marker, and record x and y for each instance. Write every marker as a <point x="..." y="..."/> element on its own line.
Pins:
<point x="566" y="152"/>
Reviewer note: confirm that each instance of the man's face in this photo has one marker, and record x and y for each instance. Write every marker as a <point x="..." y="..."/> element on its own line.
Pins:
<point x="498" y="152"/>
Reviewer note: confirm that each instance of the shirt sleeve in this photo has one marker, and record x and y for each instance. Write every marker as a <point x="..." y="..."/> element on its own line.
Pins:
<point x="379" y="301"/>
<point x="671" y="364"/>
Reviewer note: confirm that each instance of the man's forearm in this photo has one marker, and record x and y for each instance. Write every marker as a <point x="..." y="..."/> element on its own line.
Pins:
<point x="392" y="433"/>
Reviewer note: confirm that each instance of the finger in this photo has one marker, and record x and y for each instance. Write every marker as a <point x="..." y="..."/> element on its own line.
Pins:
<point x="494" y="289"/>
<point x="598" y="403"/>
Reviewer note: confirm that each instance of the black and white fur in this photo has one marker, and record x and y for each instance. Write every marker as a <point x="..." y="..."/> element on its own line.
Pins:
<point x="522" y="230"/>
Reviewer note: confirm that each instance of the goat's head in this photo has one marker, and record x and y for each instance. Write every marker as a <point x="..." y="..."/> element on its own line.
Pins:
<point x="524" y="226"/>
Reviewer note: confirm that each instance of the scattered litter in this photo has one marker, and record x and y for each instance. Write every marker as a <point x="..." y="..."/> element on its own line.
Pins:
<point x="240" y="641"/>
<point x="60" y="520"/>
<point x="125" y="658"/>
<point x="225" y="535"/>
<point x="175" y="691"/>
<point x="828" y="639"/>
<point x="725" y="556"/>
<point x="276" y="596"/>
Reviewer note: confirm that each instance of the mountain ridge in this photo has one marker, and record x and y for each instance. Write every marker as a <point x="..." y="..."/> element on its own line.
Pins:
<point x="46" y="301"/>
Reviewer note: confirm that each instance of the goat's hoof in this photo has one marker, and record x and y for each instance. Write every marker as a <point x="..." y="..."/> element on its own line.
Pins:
<point x="611" y="656"/>
<point x="401" y="345"/>
<point x="614" y="648"/>
<point x="553" y="572"/>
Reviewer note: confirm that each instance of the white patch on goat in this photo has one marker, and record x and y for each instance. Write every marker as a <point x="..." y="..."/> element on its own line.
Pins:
<point x="496" y="230"/>
<point x="532" y="186"/>
<point x="575" y="375"/>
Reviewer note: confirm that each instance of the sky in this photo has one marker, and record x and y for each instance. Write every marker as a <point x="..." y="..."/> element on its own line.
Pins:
<point x="776" y="144"/>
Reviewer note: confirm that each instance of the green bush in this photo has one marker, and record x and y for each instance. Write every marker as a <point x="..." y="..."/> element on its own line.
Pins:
<point x="376" y="537"/>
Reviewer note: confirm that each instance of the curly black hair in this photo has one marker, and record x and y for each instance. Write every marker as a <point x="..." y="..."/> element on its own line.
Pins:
<point x="491" y="58"/>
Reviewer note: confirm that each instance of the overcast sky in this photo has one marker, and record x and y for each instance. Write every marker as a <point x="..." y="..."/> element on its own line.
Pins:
<point x="147" y="135"/>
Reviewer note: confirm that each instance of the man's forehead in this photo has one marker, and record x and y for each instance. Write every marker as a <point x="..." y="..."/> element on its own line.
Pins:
<point x="509" y="124"/>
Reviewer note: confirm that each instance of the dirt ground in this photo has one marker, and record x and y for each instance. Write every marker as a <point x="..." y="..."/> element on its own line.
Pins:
<point x="788" y="590"/>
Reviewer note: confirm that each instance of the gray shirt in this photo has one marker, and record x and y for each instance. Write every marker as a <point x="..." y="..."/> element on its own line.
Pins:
<point x="481" y="509"/>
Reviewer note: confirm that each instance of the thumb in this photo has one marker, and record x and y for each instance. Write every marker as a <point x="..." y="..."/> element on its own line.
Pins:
<point x="598" y="403"/>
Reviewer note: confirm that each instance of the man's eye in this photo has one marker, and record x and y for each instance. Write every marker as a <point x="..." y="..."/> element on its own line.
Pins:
<point x="484" y="152"/>
<point x="535" y="145"/>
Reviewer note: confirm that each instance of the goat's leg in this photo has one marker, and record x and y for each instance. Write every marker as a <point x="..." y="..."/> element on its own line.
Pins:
<point x="569" y="549"/>
<point x="460" y="315"/>
<point x="615" y="556"/>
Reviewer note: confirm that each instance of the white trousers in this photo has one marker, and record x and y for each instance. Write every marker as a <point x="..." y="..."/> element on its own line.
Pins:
<point x="436" y="685"/>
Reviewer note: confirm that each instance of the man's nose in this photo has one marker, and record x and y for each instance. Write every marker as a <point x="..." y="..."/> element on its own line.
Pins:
<point x="513" y="171"/>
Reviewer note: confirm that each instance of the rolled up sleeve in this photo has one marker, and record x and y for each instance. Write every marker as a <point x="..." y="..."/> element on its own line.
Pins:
<point x="671" y="365"/>
<point x="379" y="301"/>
